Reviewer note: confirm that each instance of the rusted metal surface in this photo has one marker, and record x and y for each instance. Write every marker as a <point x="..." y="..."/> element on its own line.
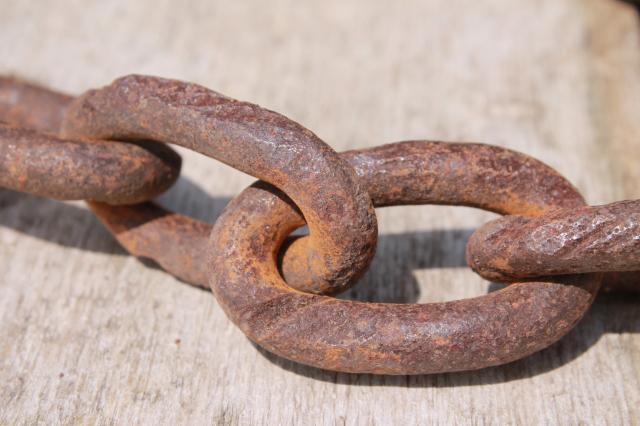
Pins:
<point x="65" y="169"/>
<point x="33" y="160"/>
<point x="467" y="174"/>
<point x="250" y="251"/>
<point x="176" y="242"/>
<point x="587" y="239"/>
<point x="379" y="338"/>
<point x="28" y="105"/>
<point x="31" y="106"/>
<point x="51" y="104"/>
<point x="383" y="174"/>
<point x="259" y="142"/>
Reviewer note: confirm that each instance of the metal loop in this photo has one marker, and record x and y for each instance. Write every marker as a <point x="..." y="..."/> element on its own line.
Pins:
<point x="312" y="329"/>
<point x="30" y="106"/>
<point x="65" y="169"/>
<point x="262" y="143"/>
<point x="33" y="160"/>
<point x="177" y="242"/>
<point x="399" y="338"/>
<point x="587" y="239"/>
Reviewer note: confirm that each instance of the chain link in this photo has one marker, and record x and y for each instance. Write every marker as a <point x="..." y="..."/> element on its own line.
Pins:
<point x="550" y="247"/>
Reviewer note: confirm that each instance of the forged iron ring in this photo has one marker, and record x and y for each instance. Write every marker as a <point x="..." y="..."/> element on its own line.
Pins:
<point x="359" y="337"/>
<point x="587" y="239"/>
<point x="259" y="142"/>
<point x="34" y="160"/>
<point x="466" y="334"/>
<point x="31" y="106"/>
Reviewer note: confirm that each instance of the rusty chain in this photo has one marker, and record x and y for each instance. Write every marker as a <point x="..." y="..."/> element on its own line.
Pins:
<point x="103" y="147"/>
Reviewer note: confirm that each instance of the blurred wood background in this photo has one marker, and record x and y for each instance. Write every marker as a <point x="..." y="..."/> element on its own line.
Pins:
<point x="89" y="335"/>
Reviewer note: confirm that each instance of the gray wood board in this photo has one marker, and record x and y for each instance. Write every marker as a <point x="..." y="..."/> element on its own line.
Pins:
<point x="89" y="335"/>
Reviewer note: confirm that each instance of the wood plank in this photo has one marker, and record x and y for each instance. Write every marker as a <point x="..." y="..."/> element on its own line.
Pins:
<point x="89" y="335"/>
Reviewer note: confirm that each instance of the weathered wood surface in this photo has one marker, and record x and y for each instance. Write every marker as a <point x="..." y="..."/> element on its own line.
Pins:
<point x="90" y="335"/>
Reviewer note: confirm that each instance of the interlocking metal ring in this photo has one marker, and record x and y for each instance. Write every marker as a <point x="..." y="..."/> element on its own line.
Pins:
<point x="587" y="239"/>
<point x="381" y="338"/>
<point x="256" y="141"/>
<point x="34" y="160"/>
<point x="245" y="243"/>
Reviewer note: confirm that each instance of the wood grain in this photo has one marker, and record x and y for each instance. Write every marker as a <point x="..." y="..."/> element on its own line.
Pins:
<point x="89" y="335"/>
